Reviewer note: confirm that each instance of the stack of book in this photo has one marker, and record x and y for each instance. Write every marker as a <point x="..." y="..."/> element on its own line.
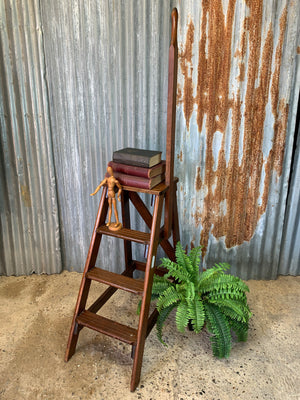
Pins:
<point x="138" y="168"/>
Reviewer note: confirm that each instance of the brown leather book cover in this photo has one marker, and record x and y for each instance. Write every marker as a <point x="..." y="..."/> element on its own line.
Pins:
<point x="158" y="169"/>
<point x="137" y="181"/>
<point x="137" y="157"/>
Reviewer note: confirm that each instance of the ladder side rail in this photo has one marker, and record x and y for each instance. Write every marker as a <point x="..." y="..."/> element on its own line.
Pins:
<point x="85" y="283"/>
<point x="171" y="121"/>
<point x="175" y="222"/>
<point x="149" y="272"/>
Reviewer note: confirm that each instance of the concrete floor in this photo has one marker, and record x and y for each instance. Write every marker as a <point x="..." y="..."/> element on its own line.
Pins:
<point x="36" y="312"/>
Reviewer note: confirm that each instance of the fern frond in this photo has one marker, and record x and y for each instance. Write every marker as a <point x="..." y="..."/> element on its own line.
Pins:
<point x="154" y="296"/>
<point x="178" y="273"/>
<point x="162" y="316"/>
<point x="196" y="314"/>
<point x="231" y="314"/>
<point x="194" y="257"/>
<point x="168" y="297"/>
<point x="227" y="293"/>
<point x="239" y="311"/>
<point x="160" y="284"/>
<point x="182" y="317"/>
<point x="240" y="329"/>
<point x="234" y="282"/>
<point x="139" y="306"/>
<point x="158" y="278"/>
<point x="174" y="270"/>
<point x="168" y="264"/>
<point x="183" y="260"/>
<point x="189" y="291"/>
<point x="221" y="281"/>
<point x="207" y="278"/>
<point x="222" y="266"/>
<point x="219" y="327"/>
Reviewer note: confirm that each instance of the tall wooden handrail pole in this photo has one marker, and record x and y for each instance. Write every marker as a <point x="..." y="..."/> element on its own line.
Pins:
<point x="171" y="120"/>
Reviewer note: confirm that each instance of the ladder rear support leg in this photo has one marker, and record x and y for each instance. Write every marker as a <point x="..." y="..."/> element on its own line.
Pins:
<point x="175" y="222"/>
<point x="149" y="272"/>
<point x="126" y="224"/>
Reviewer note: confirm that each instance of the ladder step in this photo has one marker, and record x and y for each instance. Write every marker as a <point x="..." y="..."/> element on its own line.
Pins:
<point x="111" y="328"/>
<point x="127" y="234"/>
<point x="119" y="281"/>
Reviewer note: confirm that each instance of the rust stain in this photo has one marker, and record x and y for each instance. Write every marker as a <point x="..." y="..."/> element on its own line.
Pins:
<point x="179" y="156"/>
<point x="198" y="180"/>
<point x="25" y="196"/>
<point x="179" y="96"/>
<point x="233" y="205"/>
<point x="242" y="51"/>
<point x="185" y="59"/>
<point x="279" y="107"/>
<point x="197" y="217"/>
<point x="241" y="76"/>
<point x="298" y="50"/>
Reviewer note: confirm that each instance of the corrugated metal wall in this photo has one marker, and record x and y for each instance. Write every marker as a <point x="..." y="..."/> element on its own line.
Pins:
<point x="236" y="117"/>
<point x="29" y="225"/>
<point x="290" y="247"/>
<point x="107" y="71"/>
<point x="80" y="79"/>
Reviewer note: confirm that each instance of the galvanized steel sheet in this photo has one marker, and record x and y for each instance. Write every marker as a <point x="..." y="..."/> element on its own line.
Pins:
<point x="29" y="224"/>
<point x="289" y="263"/>
<point x="95" y="75"/>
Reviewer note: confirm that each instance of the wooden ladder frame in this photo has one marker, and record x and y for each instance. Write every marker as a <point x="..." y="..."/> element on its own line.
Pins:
<point x="164" y="194"/>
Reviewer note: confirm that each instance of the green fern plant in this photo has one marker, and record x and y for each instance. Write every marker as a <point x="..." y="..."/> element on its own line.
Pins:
<point x="210" y="297"/>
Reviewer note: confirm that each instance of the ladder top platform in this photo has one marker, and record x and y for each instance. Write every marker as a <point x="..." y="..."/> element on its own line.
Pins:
<point x="157" y="190"/>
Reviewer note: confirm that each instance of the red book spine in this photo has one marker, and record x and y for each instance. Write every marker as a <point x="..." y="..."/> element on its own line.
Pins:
<point x="131" y="180"/>
<point x="138" y="171"/>
<point x="137" y="181"/>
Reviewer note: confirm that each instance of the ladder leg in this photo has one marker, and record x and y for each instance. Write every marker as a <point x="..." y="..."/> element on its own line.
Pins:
<point x="165" y="243"/>
<point x="143" y="321"/>
<point x="126" y="224"/>
<point x="175" y="223"/>
<point x="85" y="283"/>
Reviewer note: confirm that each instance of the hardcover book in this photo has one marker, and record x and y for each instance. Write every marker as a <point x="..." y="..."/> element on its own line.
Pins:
<point x="143" y="172"/>
<point x="137" y="181"/>
<point x="137" y="157"/>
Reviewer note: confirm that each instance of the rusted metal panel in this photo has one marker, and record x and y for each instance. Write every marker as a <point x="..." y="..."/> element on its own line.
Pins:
<point x="29" y="228"/>
<point x="234" y="94"/>
<point x="103" y="67"/>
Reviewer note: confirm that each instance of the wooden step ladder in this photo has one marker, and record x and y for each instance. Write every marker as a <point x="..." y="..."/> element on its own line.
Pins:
<point x="164" y="195"/>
